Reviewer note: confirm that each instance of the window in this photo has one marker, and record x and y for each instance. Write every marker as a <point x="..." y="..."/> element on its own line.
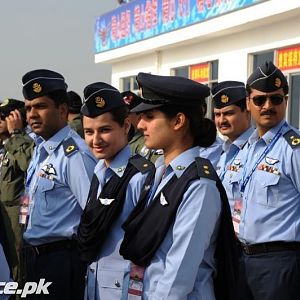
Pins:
<point x="261" y="58"/>
<point x="129" y="84"/>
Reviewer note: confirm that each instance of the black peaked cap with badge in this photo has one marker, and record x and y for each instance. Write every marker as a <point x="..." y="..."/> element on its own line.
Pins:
<point x="228" y="92"/>
<point x="8" y="105"/>
<point x="160" y="90"/>
<point x="38" y="83"/>
<point x="99" y="98"/>
<point x="131" y="99"/>
<point x="267" y="78"/>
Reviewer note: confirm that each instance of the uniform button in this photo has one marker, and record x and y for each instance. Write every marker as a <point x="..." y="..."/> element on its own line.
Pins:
<point x="117" y="283"/>
<point x="50" y="147"/>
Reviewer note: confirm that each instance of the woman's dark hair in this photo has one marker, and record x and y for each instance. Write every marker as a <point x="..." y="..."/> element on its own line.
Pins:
<point x="202" y="129"/>
<point x="119" y="115"/>
<point x="59" y="97"/>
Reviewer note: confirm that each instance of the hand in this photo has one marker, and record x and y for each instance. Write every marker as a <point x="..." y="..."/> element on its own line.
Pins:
<point x="14" y="121"/>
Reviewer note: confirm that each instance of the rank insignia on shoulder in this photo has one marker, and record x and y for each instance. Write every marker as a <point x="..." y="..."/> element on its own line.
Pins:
<point x="69" y="146"/>
<point x="141" y="163"/>
<point x="292" y="138"/>
<point x="163" y="200"/>
<point x="205" y="169"/>
<point x="268" y="169"/>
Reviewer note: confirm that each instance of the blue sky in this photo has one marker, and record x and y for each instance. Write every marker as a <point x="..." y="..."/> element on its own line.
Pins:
<point x="52" y="34"/>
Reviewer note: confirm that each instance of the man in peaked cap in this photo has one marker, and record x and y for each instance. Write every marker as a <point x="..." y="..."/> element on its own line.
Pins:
<point x="267" y="224"/>
<point x="74" y="116"/>
<point x="137" y="144"/>
<point x="57" y="186"/>
<point x="234" y="122"/>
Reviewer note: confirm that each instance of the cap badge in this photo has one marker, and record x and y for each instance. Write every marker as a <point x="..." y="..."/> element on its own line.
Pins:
<point x="224" y="99"/>
<point x="277" y="82"/>
<point x="100" y="102"/>
<point x="36" y="87"/>
<point x="5" y="102"/>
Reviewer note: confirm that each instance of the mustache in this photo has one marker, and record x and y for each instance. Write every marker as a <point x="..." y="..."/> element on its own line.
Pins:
<point x="269" y="112"/>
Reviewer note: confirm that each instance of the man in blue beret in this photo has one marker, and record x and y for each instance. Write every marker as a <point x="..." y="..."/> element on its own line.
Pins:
<point x="268" y="226"/>
<point x="234" y="122"/>
<point x="57" y="185"/>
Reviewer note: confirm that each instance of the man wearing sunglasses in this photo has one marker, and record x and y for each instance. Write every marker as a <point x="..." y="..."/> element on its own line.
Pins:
<point x="268" y="226"/>
<point x="14" y="160"/>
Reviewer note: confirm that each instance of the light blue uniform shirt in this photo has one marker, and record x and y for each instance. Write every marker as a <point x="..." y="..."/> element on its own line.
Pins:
<point x="184" y="264"/>
<point x="212" y="152"/>
<point x="57" y="200"/>
<point x="271" y="201"/>
<point x="230" y="164"/>
<point x="108" y="277"/>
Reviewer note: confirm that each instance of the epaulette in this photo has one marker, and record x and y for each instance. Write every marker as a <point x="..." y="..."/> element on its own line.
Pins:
<point x="69" y="146"/>
<point x="205" y="169"/>
<point x="292" y="138"/>
<point x="141" y="163"/>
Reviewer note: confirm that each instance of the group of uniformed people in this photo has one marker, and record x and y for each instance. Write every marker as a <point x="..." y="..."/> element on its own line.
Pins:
<point x="151" y="204"/>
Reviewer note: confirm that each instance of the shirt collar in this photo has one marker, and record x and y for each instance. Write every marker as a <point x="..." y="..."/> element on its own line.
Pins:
<point x="51" y="144"/>
<point x="268" y="136"/>
<point x="118" y="164"/>
<point x="240" y="141"/>
<point x="180" y="163"/>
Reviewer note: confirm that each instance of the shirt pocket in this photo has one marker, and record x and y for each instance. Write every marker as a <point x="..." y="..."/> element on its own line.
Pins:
<point x="47" y="195"/>
<point x="110" y="284"/>
<point x="267" y="189"/>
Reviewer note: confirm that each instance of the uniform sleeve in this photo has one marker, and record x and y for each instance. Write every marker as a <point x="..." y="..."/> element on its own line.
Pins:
<point x="295" y="168"/>
<point x="80" y="171"/>
<point x="192" y="232"/>
<point x="21" y="147"/>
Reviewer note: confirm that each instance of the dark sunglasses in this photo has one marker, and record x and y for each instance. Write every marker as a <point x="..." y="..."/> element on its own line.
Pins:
<point x="275" y="99"/>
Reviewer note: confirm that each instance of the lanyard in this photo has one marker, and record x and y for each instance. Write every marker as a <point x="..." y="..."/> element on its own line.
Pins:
<point x="229" y="163"/>
<point x="266" y="151"/>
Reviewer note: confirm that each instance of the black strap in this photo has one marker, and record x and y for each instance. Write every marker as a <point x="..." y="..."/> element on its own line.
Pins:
<point x="98" y="218"/>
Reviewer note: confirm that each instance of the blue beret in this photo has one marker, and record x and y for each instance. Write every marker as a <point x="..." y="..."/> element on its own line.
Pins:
<point x="267" y="78"/>
<point x="9" y="105"/>
<point x="41" y="82"/>
<point x="99" y="98"/>
<point x="228" y="92"/>
<point x="169" y="90"/>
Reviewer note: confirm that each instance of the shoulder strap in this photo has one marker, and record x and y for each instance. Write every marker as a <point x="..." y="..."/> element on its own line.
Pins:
<point x="142" y="164"/>
<point x="205" y="169"/>
<point x="292" y="138"/>
<point x="69" y="146"/>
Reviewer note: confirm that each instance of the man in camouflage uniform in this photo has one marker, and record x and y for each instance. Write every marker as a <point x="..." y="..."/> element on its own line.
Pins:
<point x="137" y="141"/>
<point x="74" y="116"/>
<point x="14" y="159"/>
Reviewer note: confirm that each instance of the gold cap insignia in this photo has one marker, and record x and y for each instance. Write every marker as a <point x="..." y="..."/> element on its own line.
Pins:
<point x="224" y="99"/>
<point x="100" y="102"/>
<point x="36" y="87"/>
<point x="70" y="149"/>
<point x="277" y="82"/>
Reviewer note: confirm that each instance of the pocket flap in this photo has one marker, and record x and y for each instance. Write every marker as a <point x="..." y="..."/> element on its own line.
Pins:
<point x="111" y="279"/>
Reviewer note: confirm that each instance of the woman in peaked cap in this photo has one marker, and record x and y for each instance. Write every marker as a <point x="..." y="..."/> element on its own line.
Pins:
<point x="179" y="236"/>
<point x="115" y="188"/>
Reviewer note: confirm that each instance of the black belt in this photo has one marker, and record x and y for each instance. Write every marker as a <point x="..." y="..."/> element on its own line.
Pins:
<point x="54" y="246"/>
<point x="269" y="247"/>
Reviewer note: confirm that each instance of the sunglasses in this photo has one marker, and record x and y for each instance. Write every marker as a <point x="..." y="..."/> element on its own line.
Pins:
<point x="274" y="99"/>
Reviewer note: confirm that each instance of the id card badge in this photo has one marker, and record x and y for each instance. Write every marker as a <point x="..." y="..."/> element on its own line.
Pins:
<point x="236" y="215"/>
<point x="136" y="277"/>
<point x="24" y="209"/>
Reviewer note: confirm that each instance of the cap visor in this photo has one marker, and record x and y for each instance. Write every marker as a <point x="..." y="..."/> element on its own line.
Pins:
<point x="144" y="106"/>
